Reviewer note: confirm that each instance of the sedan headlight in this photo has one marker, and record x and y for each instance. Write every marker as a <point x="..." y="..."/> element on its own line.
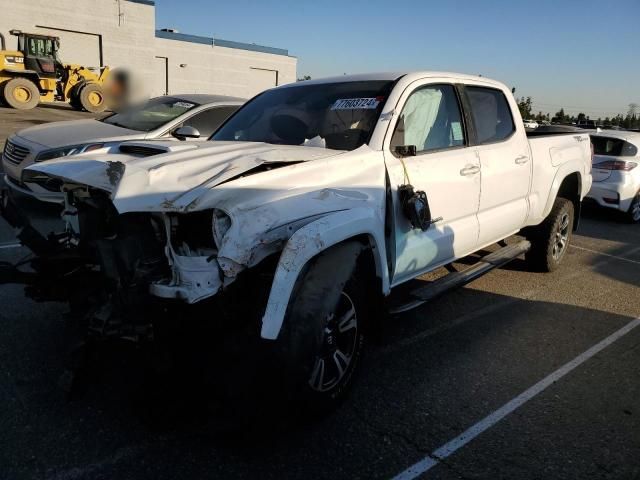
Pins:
<point x="66" y="151"/>
<point x="221" y="224"/>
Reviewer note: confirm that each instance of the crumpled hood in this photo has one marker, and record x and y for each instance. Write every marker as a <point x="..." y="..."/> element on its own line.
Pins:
<point x="172" y="181"/>
<point x="74" y="132"/>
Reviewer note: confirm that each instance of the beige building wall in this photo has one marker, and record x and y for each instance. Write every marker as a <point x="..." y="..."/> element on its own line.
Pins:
<point x="197" y="68"/>
<point x="122" y="33"/>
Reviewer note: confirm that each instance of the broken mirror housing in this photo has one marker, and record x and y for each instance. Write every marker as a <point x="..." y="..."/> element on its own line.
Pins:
<point x="415" y="207"/>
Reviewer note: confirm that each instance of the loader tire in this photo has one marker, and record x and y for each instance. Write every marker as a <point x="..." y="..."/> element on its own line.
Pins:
<point x="21" y="93"/>
<point x="74" y="98"/>
<point x="92" y="98"/>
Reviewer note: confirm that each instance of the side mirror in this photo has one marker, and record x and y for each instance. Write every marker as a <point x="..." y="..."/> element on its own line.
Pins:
<point x="415" y="207"/>
<point x="186" y="131"/>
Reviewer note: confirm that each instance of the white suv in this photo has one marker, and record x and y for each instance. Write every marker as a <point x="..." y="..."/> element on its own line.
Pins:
<point x="616" y="172"/>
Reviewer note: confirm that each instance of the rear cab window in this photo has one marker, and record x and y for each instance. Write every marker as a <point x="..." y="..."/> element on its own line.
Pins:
<point x="490" y="113"/>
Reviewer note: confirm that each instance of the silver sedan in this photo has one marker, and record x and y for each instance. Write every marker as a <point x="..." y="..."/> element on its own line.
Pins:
<point x="181" y="117"/>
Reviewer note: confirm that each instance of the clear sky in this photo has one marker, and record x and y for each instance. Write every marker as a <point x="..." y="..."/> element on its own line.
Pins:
<point x="583" y="55"/>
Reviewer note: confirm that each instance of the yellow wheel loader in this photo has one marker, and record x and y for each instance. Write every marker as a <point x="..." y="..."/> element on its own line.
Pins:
<point x="33" y="73"/>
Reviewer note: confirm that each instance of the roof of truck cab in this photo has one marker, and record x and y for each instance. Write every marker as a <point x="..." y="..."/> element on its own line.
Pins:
<point x="391" y="76"/>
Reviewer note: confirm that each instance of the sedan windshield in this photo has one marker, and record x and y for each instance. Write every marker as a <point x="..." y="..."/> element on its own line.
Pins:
<point x="339" y="116"/>
<point x="151" y="115"/>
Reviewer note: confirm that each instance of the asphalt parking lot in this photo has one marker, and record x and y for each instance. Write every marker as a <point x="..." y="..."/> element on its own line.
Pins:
<point x="457" y="365"/>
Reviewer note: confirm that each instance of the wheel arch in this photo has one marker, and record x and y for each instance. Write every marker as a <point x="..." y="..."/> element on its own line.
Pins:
<point x="569" y="186"/>
<point x="361" y="225"/>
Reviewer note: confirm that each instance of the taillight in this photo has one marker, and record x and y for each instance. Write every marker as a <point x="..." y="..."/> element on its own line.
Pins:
<point x="616" y="165"/>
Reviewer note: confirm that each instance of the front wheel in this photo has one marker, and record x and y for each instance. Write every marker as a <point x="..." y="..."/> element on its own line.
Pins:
<point x="550" y="240"/>
<point x="92" y="98"/>
<point x="321" y="342"/>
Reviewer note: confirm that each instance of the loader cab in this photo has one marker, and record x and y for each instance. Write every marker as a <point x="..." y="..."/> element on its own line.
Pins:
<point x="40" y="53"/>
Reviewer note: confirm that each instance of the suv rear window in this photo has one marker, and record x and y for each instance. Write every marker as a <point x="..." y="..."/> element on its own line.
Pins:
<point x="491" y="114"/>
<point x="614" y="147"/>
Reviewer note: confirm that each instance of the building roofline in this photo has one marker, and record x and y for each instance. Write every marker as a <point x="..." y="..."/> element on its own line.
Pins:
<point x="217" y="42"/>
<point x="151" y="3"/>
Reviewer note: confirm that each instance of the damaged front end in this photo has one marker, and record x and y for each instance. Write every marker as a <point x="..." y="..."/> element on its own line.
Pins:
<point x="119" y="270"/>
<point x="101" y="263"/>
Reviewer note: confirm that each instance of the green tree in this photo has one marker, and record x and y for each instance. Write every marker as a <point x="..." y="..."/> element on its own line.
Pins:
<point x="560" y="117"/>
<point x="524" y="105"/>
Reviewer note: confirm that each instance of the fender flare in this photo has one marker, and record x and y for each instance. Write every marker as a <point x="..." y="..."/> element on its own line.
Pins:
<point x="563" y="172"/>
<point x="308" y="242"/>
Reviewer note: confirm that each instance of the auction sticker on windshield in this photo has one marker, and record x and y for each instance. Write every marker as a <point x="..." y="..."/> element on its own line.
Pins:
<point x="355" y="104"/>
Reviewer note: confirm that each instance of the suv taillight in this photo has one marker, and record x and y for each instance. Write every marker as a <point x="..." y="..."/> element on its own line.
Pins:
<point x="616" y="165"/>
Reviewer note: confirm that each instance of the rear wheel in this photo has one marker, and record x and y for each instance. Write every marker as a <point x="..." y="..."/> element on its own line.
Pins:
<point x="21" y="93"/>
<point x="633" y="215"/>
<point x="550" y="240"/>
<point x="92" y="98"/>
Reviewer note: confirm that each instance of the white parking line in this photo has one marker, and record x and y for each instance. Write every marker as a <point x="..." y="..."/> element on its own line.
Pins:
<point x="608" y="254"/>
<point x="9" y="245"/>
<point x="465" y="437"/>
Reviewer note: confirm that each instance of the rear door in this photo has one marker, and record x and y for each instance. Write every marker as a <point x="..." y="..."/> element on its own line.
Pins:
<point x="506" y="167"/>
<point x="444" y="168"/>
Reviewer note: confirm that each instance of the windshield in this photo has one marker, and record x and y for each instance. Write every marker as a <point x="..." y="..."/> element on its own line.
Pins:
<point x="339" y="116"/>
<point x="151" y="115"/>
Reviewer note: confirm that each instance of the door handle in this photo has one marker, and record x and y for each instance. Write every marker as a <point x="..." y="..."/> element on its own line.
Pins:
<point x="469" y="170"/>
<point x="522" y="159"/>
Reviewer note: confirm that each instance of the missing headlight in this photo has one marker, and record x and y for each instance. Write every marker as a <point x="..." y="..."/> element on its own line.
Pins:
<point x="192" y="234"/>
<point x="221" y="224"/>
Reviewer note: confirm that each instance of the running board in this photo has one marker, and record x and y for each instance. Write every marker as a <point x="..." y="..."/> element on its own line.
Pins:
<point x="457" y="279"/>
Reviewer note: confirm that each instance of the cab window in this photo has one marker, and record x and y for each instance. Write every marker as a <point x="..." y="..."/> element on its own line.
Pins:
<point x="491" y="114"/>
<point x="40" y="47"/>
<point x="430" y="120"/>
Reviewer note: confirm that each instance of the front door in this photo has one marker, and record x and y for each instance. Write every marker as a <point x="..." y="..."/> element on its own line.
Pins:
<point x="445" y="169"/>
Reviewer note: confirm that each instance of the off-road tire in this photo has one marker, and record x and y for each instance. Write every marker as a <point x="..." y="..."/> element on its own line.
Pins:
<point x="21" y="93"/>
<point x="308" y="335"/>
<point x="633" y="215"/>
<point x="92" y="98"/>
<point x="550" y="240"/>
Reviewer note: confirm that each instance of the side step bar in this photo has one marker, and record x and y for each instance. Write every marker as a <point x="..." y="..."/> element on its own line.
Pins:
<point x="457" y="279"/>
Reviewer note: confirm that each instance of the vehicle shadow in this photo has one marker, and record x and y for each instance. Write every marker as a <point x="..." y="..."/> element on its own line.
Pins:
<point x="430" y="365"/>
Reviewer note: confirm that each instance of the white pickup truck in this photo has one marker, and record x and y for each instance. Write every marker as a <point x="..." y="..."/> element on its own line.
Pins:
<point x="310" y="205"/>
